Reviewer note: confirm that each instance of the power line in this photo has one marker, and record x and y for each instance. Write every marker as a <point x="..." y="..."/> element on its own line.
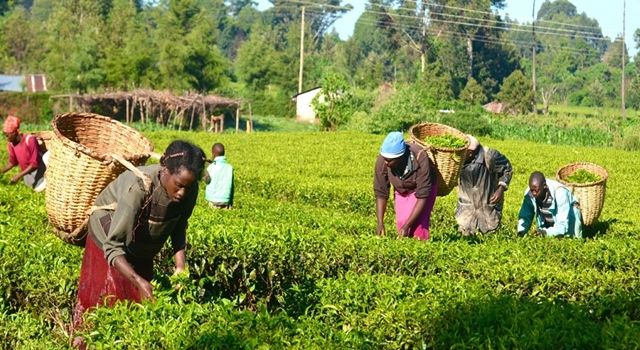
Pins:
<point x="492" y="13"/>
<point x="475" y="38"/>
<point x="301" y="2"/>
<point x="502" y="22"/>
<point x="480" y="38"/>
<point x="589" y="31"/>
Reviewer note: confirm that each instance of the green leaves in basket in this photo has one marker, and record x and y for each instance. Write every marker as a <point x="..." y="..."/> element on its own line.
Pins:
<point x="582" y="176"/>
<point x="445" y="141"/>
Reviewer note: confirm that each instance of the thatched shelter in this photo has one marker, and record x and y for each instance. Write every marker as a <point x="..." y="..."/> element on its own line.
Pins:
<point x="160" y="106"/>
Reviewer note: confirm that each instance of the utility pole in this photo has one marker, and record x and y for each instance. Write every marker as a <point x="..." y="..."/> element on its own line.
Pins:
<point x="533" y="53"/>
<point x="624" y="9"/>
<point x="301" y="52"/>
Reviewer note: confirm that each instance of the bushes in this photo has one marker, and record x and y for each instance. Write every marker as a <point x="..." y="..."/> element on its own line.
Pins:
<point x="630" y="139"/>
<point x="32" y="108"/>
<point x="473" y="94"/>
<point x="474" y="122"/>
<point x="516" y="93"/>
<point x="296" y="264"/>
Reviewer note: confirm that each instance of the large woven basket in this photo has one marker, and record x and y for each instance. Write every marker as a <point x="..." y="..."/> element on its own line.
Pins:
<point x="46" y="136"/>
<point x="589" y="195"/>
<point x="447" y="161"/>
<point x="83" y="152"/>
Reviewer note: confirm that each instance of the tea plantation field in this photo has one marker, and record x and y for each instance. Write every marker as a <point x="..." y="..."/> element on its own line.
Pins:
<point x="297" y="264"/>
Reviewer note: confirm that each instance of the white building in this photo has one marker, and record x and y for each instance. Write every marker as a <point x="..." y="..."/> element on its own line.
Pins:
<point x="304" y="109"/>
<point x="23" y="83"/>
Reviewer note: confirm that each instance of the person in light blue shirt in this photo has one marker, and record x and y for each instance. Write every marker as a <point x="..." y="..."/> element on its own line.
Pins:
<point x="556" y="210"/>
<point x="219" y="179"/>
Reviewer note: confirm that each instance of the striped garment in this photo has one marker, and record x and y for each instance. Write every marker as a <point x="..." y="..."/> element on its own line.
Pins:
<point x="544" y="211"/>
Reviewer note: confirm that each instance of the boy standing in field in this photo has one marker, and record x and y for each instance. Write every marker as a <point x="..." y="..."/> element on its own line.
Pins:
<point x="219" y="179"/>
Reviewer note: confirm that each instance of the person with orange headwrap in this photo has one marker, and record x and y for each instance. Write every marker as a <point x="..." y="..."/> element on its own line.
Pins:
<point x="23" y="152"/>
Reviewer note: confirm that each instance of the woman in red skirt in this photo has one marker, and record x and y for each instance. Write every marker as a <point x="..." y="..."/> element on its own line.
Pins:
<point x="132" y="219"/>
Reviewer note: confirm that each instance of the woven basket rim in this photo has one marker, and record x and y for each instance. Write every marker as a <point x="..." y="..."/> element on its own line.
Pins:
<point x="424" y="144"/>
<point x="604" y="174"/>
<point x="82" y="148"/>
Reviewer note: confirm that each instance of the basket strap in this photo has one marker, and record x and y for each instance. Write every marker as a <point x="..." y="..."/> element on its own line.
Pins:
<point x="145" y="179"/>
<point x="90" y="211"/>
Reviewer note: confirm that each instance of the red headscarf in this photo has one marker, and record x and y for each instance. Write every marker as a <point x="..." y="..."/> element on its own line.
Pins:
<point x="11" y="124"/>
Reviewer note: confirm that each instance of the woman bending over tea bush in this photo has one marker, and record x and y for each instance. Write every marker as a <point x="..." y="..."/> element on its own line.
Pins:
<point x="132" y="219"/>
<point x="411" y="172"/>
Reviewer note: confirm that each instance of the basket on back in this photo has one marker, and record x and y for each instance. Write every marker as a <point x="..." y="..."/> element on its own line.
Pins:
<point x="590" y="195"/>
<point x="81" y="164"/>
<point x="447" y="161"/>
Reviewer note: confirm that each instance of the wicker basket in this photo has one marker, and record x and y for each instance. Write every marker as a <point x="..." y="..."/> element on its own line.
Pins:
<point x="447" y="161"/>
<point x="45" y="136"/>
<point x="589" y="195"/>
<point x="82" y="164"/>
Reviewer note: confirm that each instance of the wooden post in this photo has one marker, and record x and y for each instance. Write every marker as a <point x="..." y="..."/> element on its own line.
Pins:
<point x="622" y="92"/>
<point x="250" y="115"/>
<point x="141" y="111"/>
<point x="533" y="55"/>
<point x="133" y="107"/>
<point x="127" y="110"/>
<point x="301" y="52"/>
<point x="237" y="120"/>
<point x="70" y="103"/>
<point x="203" y="116"/>
<point x="193" y="112"/>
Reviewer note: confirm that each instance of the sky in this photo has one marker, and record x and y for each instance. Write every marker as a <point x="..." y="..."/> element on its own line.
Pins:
<point x="608" y="13"/>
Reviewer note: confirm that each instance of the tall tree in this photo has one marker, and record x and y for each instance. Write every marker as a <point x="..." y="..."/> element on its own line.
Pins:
<point x="471" y="20"/>
<point x="18" y="40"/>
<point x="73" y="46"/>
<point x="127" y="50"/>
<point x="321" y="15"/>
<point x="186" y="36"/>
<point x="613" y="56"/>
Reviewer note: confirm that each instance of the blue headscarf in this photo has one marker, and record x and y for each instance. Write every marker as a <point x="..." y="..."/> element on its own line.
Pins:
<point x="393" y="145"/>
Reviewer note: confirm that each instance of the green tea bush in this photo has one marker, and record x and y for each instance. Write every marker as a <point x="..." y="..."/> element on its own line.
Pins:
<point x="296" y="263"/>
<point x="630" y="139"/>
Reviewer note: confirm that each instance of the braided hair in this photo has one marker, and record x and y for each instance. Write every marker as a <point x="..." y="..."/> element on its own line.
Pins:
<point x="183" y="154"/>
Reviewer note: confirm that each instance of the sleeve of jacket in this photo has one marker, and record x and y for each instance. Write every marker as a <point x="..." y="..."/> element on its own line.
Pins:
<point x="380" y="179"/>
<point x="32" y="146"/>
<point x="130" y="198"/>
<point x="525" y="216"/>
<point x="561" y="220"/>
<point x="503" y="169"/>
<point x="233" y="188"/>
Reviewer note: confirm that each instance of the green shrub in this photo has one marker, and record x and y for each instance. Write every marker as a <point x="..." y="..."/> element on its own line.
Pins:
<point x="33" y="108"/>
<point x="473" y="94"/>
<point x="630" y="139"/>
<point x="469" y="121"/>
<point x="516" y="93"/>
<point x="334" y="105"/>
